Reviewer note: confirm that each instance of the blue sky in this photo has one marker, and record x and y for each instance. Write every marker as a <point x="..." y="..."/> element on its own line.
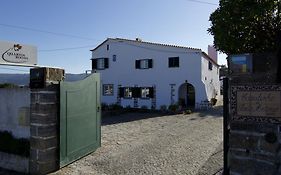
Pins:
<point x="180" y="22"/>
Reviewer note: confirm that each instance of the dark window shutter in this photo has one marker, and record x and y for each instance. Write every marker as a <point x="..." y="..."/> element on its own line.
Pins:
<point x="151" y="92"/>
<point x="177" y="62"/>
<point x="170" y="62"/>
<point x="136" y="92"/>
<point x="150" y="63"/>
<point x="121" y="92"/>
<point x="137" y="64"/>
<point x="106" y="61"/>
<point x="94" y="64"/>
<point x="210" y="66"/>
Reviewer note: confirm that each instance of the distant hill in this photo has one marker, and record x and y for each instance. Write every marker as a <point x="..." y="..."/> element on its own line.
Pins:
<point x="23" y="79"/>
<point x="19" y="79"/>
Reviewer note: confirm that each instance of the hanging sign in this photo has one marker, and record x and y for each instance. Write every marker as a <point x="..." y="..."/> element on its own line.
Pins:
<point x="14" y="53"/>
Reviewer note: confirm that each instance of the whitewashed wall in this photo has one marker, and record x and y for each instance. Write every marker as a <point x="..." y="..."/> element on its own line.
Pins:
<point x="123" y="71"/>
<point x="210" y="79"/>
<point x="14" y="111"/>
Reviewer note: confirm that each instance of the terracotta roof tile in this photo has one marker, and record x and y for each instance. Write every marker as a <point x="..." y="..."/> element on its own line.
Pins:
<point x="145" y="42"/>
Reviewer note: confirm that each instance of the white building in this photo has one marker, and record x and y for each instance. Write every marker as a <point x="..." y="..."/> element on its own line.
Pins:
<point x="137" y="73"/>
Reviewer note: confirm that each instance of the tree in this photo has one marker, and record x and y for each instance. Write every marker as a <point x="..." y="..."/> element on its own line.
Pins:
<point x="246" y="26"/>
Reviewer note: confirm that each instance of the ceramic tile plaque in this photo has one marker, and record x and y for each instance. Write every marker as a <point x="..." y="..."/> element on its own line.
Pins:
<point x="256" y="103"/>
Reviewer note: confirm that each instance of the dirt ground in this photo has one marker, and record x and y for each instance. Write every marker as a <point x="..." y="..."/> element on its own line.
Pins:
<point x="138" y="143"/>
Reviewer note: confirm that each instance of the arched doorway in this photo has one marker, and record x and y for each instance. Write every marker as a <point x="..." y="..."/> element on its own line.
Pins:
<point x="187" y="95"/>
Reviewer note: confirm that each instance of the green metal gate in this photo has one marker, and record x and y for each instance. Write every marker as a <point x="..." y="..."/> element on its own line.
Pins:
<point x="80" y="124"/>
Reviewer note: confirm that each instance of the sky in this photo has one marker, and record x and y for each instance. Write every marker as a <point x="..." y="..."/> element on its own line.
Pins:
<point x="64" y="31"/>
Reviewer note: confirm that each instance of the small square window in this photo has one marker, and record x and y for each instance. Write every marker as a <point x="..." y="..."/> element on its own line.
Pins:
<point x="174" y="62"/>
<point x="114" y="58"/>
<point x="108" y="89"/>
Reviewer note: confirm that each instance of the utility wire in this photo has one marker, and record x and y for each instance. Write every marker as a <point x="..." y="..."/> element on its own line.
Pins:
<point x="14" y="69"/>
<point x="48" y="32"/>
<point x="203" y="2"/>
<point x="62" y="49"/>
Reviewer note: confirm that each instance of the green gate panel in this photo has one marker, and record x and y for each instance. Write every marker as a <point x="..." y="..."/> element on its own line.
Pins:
<point x="80" y="124"/>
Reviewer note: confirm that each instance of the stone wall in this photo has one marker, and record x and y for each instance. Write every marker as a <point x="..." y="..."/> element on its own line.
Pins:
<point x="255" y="130"/>
<point x="14" y="162"/>
<point x="254" y="149"/>
<point x="44" y="130"/>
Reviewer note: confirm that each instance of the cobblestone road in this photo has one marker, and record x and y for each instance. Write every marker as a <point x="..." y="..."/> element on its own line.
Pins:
<point x="174" y="144"/>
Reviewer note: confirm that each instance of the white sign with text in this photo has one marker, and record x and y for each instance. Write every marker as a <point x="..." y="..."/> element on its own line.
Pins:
<point x="14" y="53"/>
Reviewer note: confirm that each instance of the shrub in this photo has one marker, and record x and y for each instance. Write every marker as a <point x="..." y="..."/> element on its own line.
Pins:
<point x="144" y="107"/>
<point x="8" y="85"/>
<point x="104" y="107"/>
<point x="163" y="108"/>
<point x="115" y="107"/>
<point x="188" y="111"/>
<point x="173" y="108"/>
<point x="213" y="101"/>
<point x="10" y="144"/>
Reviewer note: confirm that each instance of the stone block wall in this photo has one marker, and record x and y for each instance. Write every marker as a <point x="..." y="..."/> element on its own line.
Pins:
<point x="44" y="130"/>
<point x="254" y="149"/>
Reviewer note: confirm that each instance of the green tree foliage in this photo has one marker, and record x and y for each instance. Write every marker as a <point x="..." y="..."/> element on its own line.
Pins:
<point x="246" y="26"/>
<point x="8" y="85"/>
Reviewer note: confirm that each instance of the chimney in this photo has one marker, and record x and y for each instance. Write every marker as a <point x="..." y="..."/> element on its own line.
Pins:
<point x="212" y="52"/>
<point x="139" y="39"/>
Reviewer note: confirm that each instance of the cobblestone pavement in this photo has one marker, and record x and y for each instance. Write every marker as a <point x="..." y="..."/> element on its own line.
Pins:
<point x="173" y="144"/>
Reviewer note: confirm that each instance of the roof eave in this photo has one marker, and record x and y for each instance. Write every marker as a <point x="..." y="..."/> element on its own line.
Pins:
<point x="100" y="45"/>
<point x="210" y="59"/>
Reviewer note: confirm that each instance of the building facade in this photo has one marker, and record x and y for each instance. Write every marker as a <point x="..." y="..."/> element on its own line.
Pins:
<point x="136" y="73"/>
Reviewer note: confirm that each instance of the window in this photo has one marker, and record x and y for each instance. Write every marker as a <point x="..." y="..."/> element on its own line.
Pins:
<point x="100" y="63"/>
<point x="107" y="47"/>
<point x="114" y="58"/>
<point x="128" y="92"/>
<point x="174" y="62"/>
<point x="144" y="93"/>
<point x="210" y="66"/>
<point x="143" y="64"/>
<point x="136" y="92"/>
<point x="107" y="89"/>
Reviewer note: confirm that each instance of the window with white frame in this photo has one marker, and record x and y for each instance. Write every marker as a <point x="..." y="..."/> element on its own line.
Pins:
<point x="144" y="64"/>
<point x="144" y="92"/>
<point x="128" y="93"/>
<point x="108" y="89"/>
<point x="100" y="63"/>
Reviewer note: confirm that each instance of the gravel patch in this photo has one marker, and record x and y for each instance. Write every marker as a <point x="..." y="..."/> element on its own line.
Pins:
<point x="174" y="144"/>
